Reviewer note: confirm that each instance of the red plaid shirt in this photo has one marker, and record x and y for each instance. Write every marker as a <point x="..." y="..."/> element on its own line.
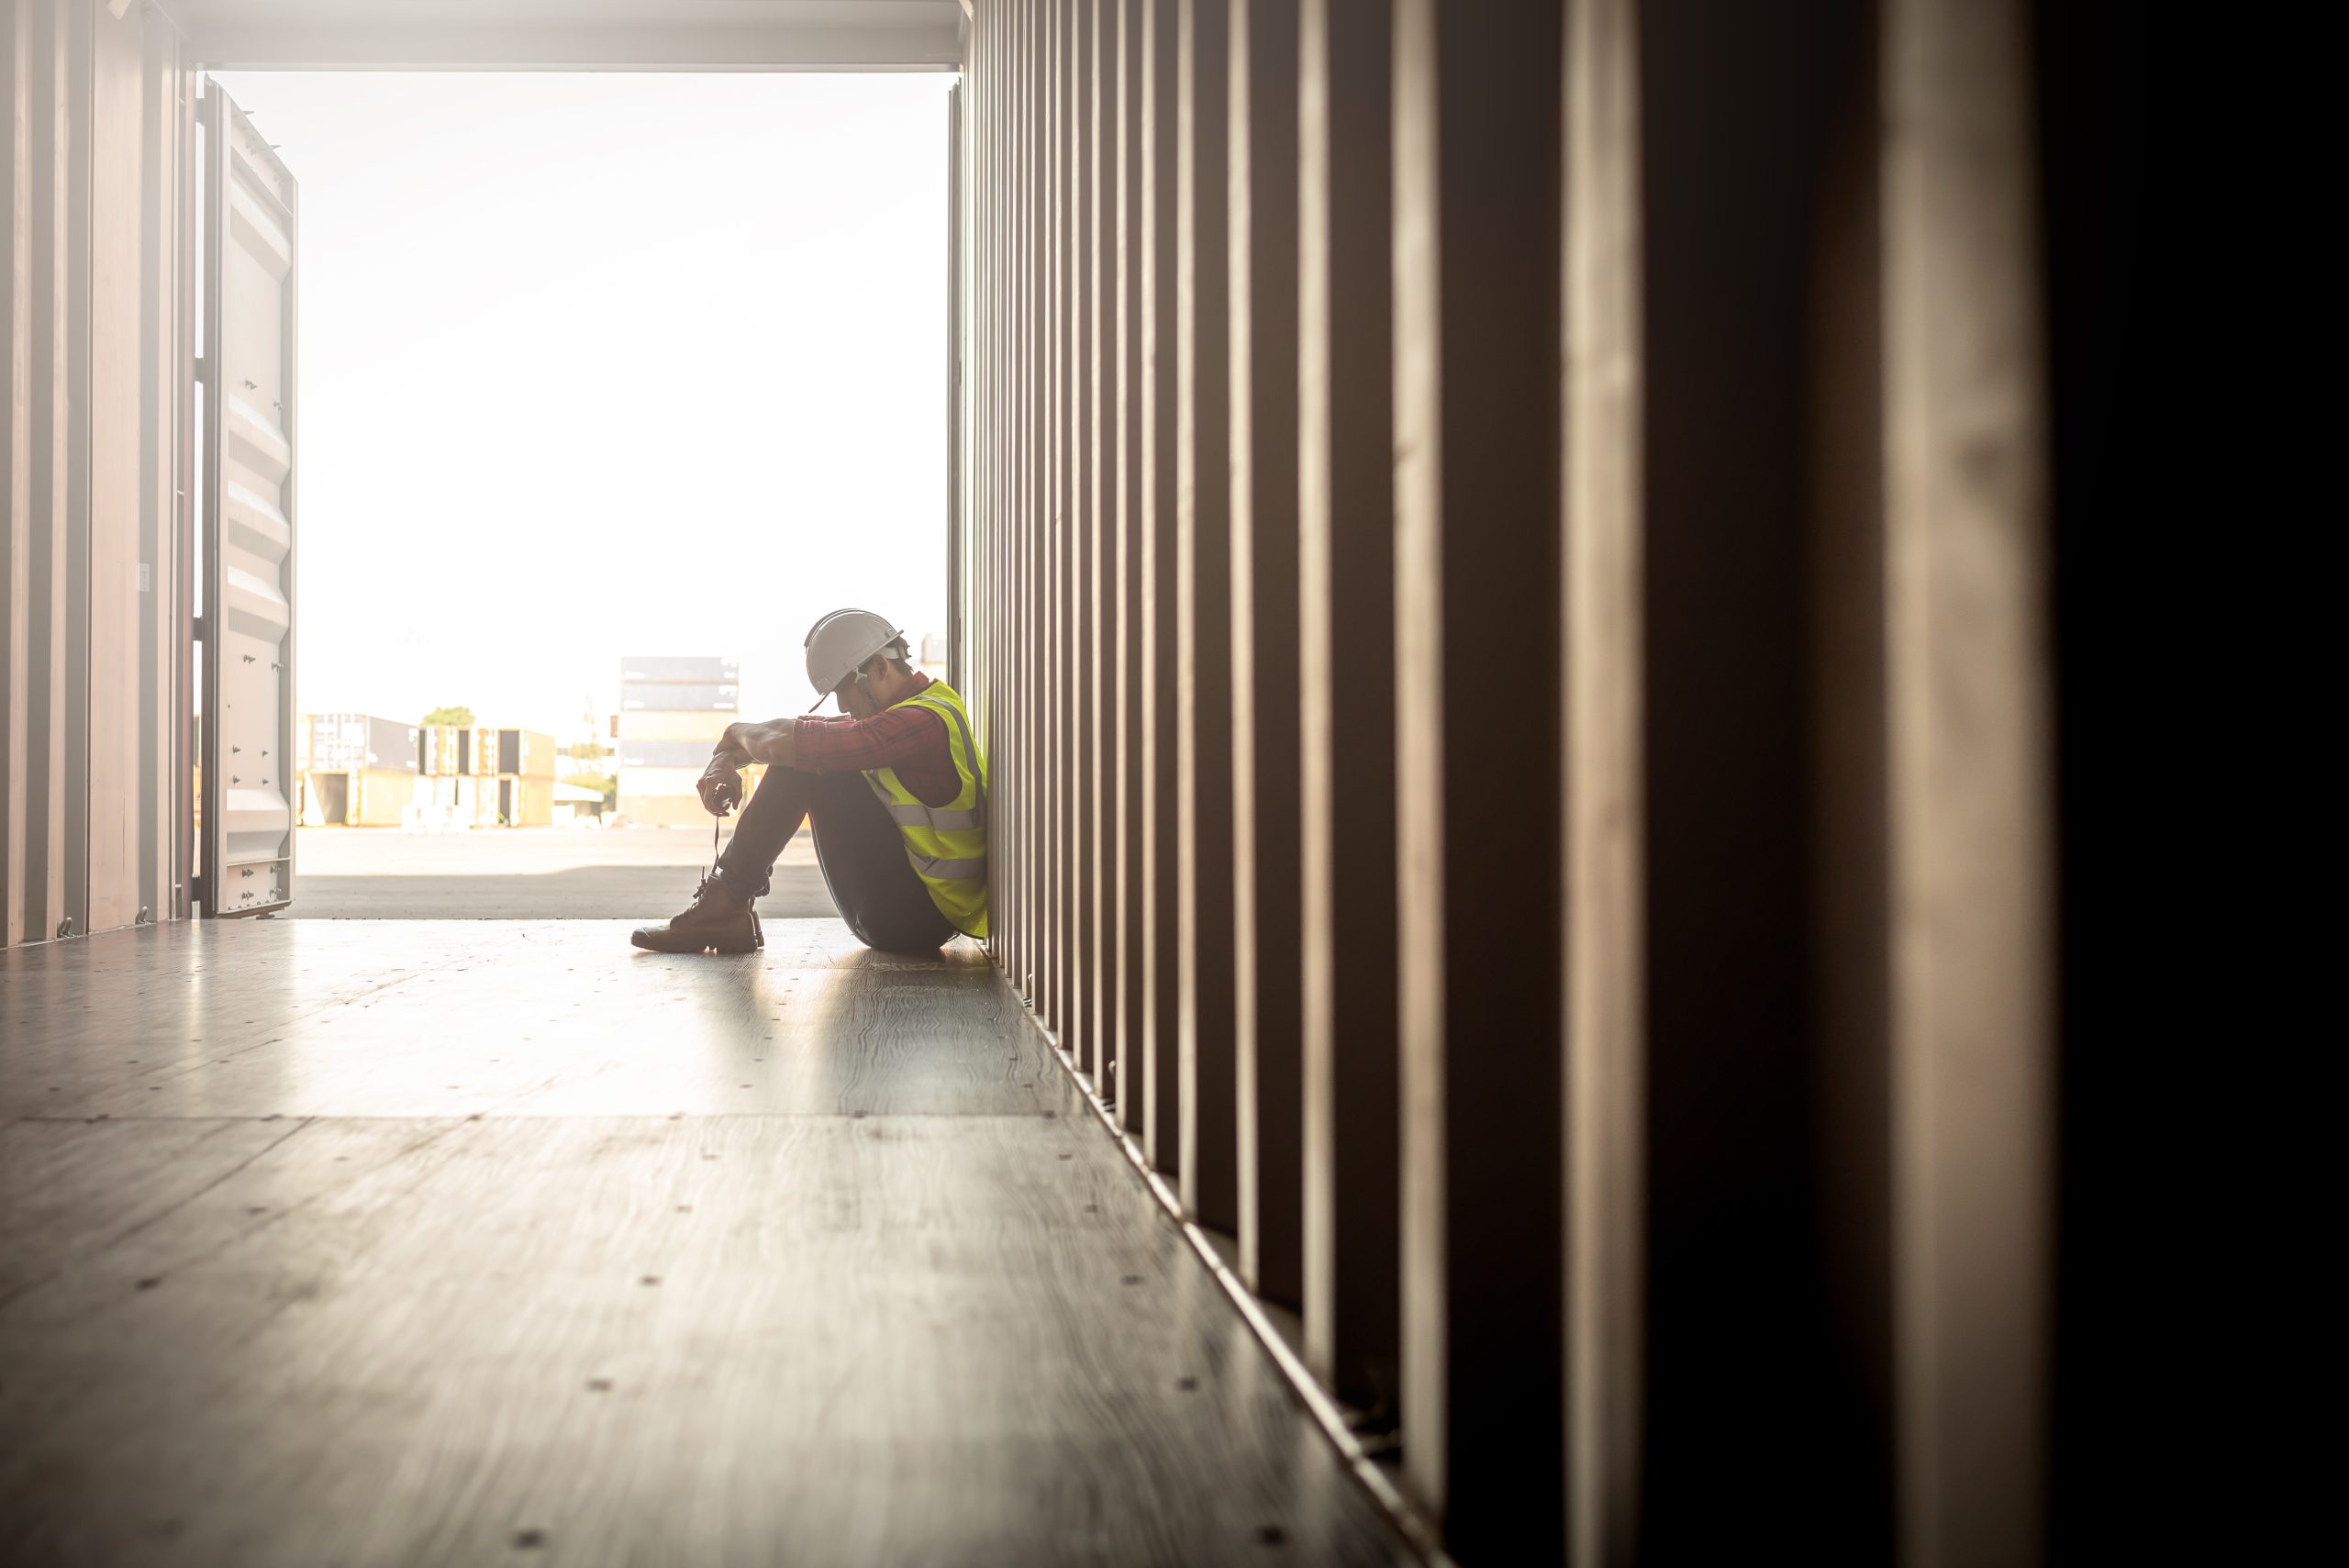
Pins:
<point x="912" y="740"/>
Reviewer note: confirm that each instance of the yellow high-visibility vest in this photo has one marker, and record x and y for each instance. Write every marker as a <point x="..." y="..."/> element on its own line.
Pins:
<point x="947" y="845"/>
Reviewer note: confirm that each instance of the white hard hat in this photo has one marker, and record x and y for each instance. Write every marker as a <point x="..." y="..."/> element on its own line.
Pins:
<point x="839" y="645"/>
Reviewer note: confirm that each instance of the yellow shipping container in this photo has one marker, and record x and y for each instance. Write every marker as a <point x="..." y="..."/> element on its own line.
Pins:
<point x="512" y="801"/>
<point x="381" y="797"/>
<point x="366" y="797"/>
<point x="538" y="802"/>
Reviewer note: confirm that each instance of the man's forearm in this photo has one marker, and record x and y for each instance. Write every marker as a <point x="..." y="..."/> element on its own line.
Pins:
<point x="770" y="743"/>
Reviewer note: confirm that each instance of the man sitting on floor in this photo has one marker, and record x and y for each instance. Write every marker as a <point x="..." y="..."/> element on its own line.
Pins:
<point x="896" y="789"/>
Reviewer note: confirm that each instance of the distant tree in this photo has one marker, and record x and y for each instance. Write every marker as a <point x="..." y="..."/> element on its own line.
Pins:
<point x="591" y="749"/>
<point x="457" y="715"/>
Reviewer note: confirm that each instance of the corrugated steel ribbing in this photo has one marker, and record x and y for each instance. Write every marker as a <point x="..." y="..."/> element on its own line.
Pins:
<point x="93" y="582"/>
<point x="1632" y="822"/>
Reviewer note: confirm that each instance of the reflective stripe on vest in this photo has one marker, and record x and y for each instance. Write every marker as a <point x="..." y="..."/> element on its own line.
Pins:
<point x="948" y="871"/>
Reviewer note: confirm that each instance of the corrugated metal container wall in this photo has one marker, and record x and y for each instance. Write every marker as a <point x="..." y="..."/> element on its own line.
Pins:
<point x="355" y="741"/>
<point x="93" y="584"/>
<point x="665" y="783"/>
<point x="671" y="709"/>
<point x="702" y="726"/>
<point x="674" y="670"/>
<point x="680" y="698"/>
<point x="381" y="798"/>
<point x="391" y="744"/>
<point x="1508" y="580"/>
<point x="692" y="754"/>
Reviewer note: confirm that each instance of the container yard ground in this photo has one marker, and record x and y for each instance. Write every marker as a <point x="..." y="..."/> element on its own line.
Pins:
<point x="521" y="873"/>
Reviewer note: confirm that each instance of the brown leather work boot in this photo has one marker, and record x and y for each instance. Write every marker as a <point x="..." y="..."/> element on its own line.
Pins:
<point x="715" y="922"/>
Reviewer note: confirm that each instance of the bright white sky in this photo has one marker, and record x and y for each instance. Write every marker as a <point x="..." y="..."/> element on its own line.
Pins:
<point x="606" y="364"/>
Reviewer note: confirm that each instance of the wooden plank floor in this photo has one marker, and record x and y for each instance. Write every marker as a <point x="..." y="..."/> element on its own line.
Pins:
<point x="417" y="1242"/>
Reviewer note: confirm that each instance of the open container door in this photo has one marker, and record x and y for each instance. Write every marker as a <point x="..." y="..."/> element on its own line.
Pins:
<point x="247" y="624"/>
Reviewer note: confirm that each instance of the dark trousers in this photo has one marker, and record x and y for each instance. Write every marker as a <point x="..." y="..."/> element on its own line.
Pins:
<point x="861" y="851"/>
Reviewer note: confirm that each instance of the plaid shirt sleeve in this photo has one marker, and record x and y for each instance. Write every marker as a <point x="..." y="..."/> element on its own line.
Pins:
<point x="912" y="740"/>
<point x="890" y="739"/>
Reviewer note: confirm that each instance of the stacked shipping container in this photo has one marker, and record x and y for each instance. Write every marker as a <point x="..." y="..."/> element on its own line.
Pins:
<point x="483" y="777"/>
<point x="357" y="771"/>
<point x="673" y="710"/>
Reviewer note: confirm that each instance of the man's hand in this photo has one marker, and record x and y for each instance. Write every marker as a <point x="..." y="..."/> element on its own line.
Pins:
<point x="721" y="785"/>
